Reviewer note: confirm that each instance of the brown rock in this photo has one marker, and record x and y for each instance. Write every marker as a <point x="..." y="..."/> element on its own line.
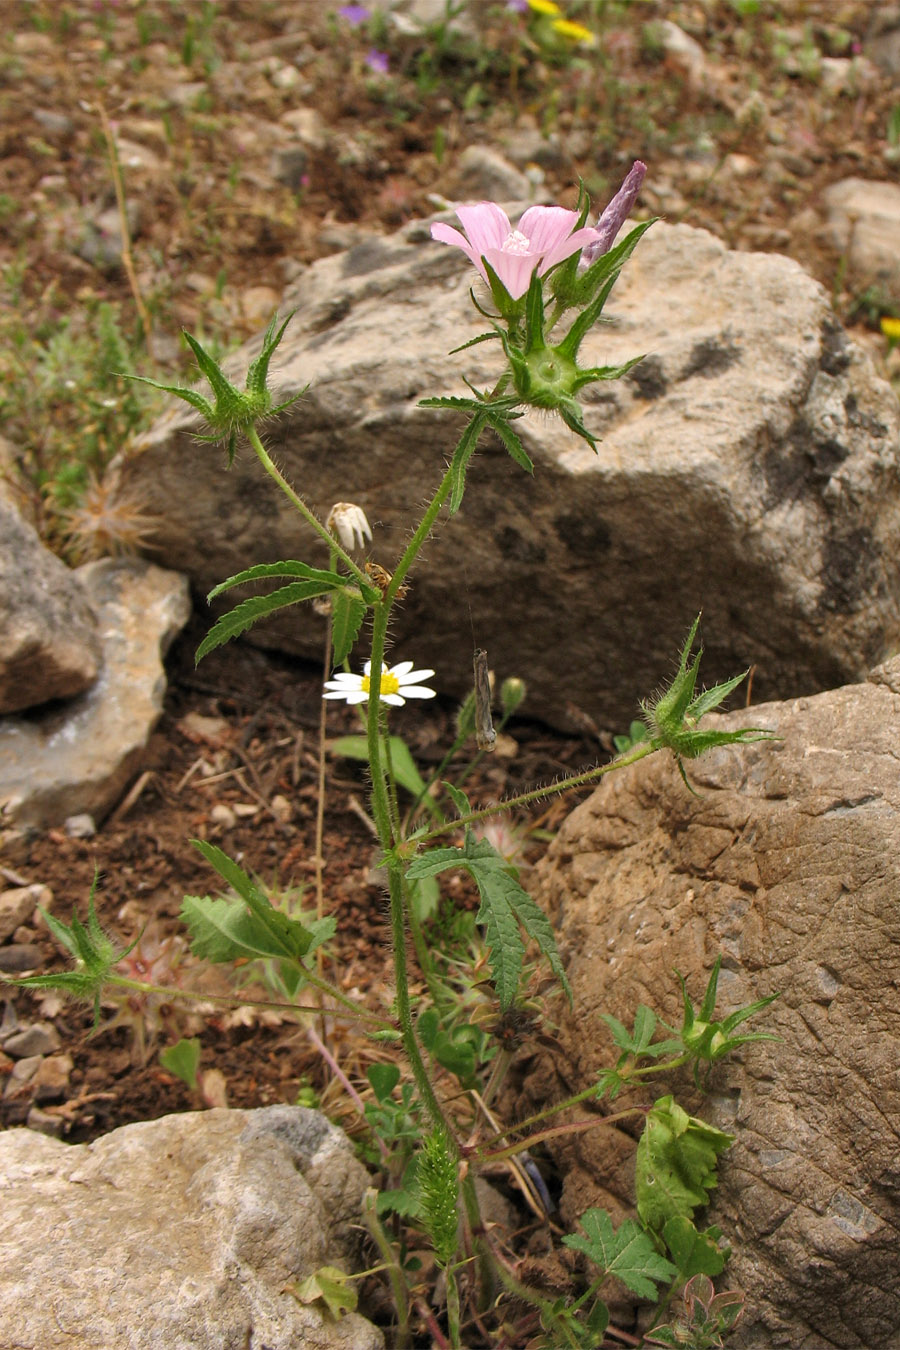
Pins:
<point x="786" y="863"/>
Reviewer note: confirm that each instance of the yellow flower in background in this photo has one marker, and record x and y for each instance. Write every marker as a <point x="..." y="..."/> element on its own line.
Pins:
<point x="891" y="329"/>
<point x="544" y="7"/>
<point x="575" y="31"/>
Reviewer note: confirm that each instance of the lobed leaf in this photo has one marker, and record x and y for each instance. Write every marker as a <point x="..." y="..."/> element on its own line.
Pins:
<point x="629" y="1252"/>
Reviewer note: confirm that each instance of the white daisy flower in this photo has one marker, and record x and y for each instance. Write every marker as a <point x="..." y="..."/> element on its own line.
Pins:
<point x="398" y="683"/>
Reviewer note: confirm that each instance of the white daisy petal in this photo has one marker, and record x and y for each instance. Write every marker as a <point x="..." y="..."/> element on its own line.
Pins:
<point x="417" y="691"/>
<point x="359" y="696"/>
<point x="394" y="699"/>
<point x="412" y="675"/>
<point x="403" y="669"/>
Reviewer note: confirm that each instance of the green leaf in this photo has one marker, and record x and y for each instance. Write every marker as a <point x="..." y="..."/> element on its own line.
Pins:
<point x="514" y="447"/>
<point x="405" y="1203"/>
<point x="628" y="1253"/>
<point x="505" y="905"/>
<point x="256" y="607"/>
<point x="347" y="614"/>
<point x="534" y="315"/>
<point x="464" y="451"/>
<point x="225" y="930"/>
<point x="406" y="775"/>
<point x="183" y="1059"/>
<point x="460" y="800"/>
<point x="264" y="930"/>
<point x="694" y="1253"/>
<point x="328" y="1285"/>
<point x="289" y="568"/>
<point x="258" y="371"/>
<point x="424" y="897"/>
<point x="675" y="1163"/>
<point x="383" y="1078"/>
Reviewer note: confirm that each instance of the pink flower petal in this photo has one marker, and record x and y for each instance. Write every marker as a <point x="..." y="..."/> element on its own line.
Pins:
<point x="486" y="225"/>
<point x="566" y="247"/>
<point x="547" y="226"/>
<point x="513" y="269"/>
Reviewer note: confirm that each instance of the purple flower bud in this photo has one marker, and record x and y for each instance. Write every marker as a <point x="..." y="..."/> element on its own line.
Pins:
<point x="615" y="214"/>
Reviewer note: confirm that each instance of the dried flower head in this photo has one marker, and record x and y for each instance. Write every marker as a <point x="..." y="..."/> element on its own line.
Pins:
<point x="348" y="523"/>
<point x="108" y="524"/>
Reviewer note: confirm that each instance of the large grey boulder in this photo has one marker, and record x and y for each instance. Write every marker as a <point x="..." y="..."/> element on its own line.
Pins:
<point x="787" y="864"/>
<point x="179" y="1233"/>
<point x="78" y="756"/>
<point x="749" y="466"/>
<point x="49" y="644"/>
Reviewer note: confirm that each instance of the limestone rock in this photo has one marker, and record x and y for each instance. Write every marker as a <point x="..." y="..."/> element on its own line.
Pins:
<point x="748" y="467"/>
<point x="50" y="648"/>
<point x="180" y="1232"/>
<point x="79" y="756"/>
<point x="786" y="863"/>
<point x="865" y="223"/>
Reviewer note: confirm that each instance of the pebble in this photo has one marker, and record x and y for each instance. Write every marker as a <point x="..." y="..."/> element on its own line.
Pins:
<point x="220" y="814"/>
<point x="52" y="1078"/>
<point x="22" y="1073"/>
<point x="53" y="123"/>
<point x="18" y="957"/>
<point x="18" y="904"/>
<point x="41" y="1038"/>
<point x="81" y="826"/>
<point x="290" y="165"/>
<point x="44" y="1123"/>
<point x="259" y="303"/>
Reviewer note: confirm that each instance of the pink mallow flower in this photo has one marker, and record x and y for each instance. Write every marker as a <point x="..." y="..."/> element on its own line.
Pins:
<point x="545" y="236"/>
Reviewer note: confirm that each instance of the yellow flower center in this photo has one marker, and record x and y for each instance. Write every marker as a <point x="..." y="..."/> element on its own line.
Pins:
<point x="389" y="683"/>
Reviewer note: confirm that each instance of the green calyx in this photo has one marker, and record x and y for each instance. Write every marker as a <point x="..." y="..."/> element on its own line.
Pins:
<point x="672" y="717"/>
<point x="231" y="410"/>
<point x="547" y="375"/>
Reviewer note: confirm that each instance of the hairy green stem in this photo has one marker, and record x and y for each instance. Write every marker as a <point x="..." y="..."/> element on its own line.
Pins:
<point x="538" y="794"/>
<point x="297" y="501"/>
<point x="395" y="1274"/>
<point x="352" y="1009"/>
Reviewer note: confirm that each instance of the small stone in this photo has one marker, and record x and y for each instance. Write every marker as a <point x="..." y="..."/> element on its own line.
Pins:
<point x="223" y="815"/>
<point x="18" y="904"/>
<point x="22" y="1074"/>
<point x="18" y="957"/>
<point x="307" y="125"/>
<point x="285" y="77"/>
<point x="81" y="826"/>
<point x="290" y="165"/>
<point x="41" y="1038"/>
<point x="53" y="123"/>
<point x="44" y="1123"/>
<point x="245" y="809"/>
<point x="282" y="808"/>
<point x="52" y="1078"/>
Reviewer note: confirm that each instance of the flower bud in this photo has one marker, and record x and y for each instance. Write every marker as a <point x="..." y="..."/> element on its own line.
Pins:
<point x="512" y="693"/>
<point x="348" y="523"/>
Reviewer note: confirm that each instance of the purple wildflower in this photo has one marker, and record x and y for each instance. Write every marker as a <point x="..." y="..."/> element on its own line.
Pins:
<point x="354" y="14"/>
<point x="377" y="61"/>
<point x="519" y="6"/>
<point x="544" y="237"/>
<point x="616" y="213"/>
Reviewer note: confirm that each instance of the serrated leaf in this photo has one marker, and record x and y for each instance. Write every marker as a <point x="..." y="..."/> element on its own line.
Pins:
<point x="225" y="930"/>
<point x="464" y="451"/>
<point x="183" y="1059"/>
<point x="405" y="1203"/>
<point x="424" y="897"/>
<point x="440" y="859"/>
<point x="629" y="1253"/>
<point x="500" y="888"/>
<point x="693" y="1252"/>
<point x="288" y="568"/>
<point x="244" y="615"/>
<point x="459" y="798"/>
<point x="513" y="445"/>
<point x="347" y="614"/>
<point x="676" y="1163"/>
